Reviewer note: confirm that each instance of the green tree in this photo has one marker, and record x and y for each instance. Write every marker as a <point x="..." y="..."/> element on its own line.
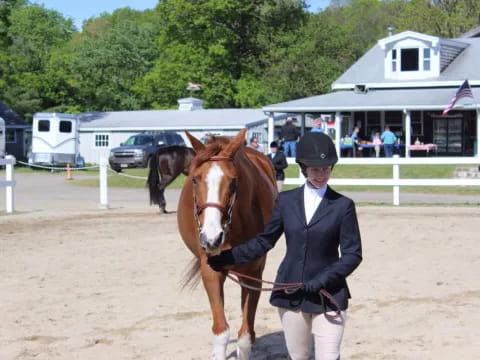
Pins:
<point x="33" y="33"/>
<point x="217" y="43"/>
<point x="107" y="61"/>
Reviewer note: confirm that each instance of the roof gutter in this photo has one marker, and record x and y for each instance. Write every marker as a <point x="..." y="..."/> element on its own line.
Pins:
<point x="306" y="109"/>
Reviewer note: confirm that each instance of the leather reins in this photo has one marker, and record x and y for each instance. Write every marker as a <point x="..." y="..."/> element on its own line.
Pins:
<point x="288" y="288"/>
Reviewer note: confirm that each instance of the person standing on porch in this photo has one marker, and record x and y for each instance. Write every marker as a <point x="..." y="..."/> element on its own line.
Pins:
<point x="377" y="143"/>
<point x="356" y="142"/>
<point x="388" y="138"/>
<point x="289" y="134"/>
<point x="317" y="126"/>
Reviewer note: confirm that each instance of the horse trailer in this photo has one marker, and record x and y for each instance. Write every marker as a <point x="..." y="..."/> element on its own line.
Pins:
<point x="2" y="138"/>
<point x="55" y="139"/>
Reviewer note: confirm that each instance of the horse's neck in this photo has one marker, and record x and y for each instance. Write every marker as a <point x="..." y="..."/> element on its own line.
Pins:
<point x="248" y="217"/>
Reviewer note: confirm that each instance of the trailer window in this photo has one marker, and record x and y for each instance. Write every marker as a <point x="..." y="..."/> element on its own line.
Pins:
<point x="44" y="125"/>
<point x="65" y="126"/>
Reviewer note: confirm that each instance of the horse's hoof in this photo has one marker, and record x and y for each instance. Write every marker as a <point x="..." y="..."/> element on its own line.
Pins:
<point x="244" y="347"/>
<point x="220" y="343"/>
<point x="163" y="211"/>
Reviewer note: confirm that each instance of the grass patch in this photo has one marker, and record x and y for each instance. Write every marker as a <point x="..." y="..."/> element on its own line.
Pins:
<point x="386" y="171"/>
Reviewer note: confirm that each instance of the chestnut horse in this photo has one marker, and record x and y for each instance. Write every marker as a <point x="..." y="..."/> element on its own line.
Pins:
<point x="228" y="197"/>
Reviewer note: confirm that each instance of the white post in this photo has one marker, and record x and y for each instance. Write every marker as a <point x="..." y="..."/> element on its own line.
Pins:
<point x="103" y="183"/>
<point x="396" y="188"/>
<point x="271" y="129"/>
<point x="478" y="133"/>
<point x="10" y="162"/>
<point x="338" y="128"/>
<point x="408" y="135"/>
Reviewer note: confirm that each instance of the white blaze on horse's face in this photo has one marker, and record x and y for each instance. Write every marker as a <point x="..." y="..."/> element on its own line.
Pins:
<point x="211" y="235"/>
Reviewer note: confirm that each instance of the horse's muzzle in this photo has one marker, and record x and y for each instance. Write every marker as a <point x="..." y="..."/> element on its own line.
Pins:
<point x="211" y="245"/>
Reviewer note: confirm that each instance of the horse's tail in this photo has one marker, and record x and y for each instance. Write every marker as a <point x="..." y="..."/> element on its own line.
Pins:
<point x="153" y="179"/>
<point x="191" y="276"/>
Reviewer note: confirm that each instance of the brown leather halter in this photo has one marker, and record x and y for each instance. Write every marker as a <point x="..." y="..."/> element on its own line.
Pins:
<point x="225" y="210"/>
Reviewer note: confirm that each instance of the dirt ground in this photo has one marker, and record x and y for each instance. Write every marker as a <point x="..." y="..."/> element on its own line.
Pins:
<point x="80" y="283"/>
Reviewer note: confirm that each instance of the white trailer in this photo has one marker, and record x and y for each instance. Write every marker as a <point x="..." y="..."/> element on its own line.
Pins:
<point x="55" y="139"/>
<point x="2" y="138"/>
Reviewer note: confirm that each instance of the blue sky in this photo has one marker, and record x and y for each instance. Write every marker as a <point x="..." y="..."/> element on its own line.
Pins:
<point x="80" y="10"/>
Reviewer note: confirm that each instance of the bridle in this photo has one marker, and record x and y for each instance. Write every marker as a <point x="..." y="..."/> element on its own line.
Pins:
<point x="225" y="210"/>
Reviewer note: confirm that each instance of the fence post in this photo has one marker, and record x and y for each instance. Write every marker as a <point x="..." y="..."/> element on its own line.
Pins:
<point x="103" y="183"/>
<point x="10" y="162"/>
<point x="396" y="188"/>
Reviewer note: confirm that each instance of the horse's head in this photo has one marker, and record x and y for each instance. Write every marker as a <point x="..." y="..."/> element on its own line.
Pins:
<point x="214" y="179"/>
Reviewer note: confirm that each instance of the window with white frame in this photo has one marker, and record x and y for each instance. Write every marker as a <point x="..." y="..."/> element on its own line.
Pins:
<point x="102" y="140"/>
<point x="426" y="59"/>
<point x="394" y="60"/>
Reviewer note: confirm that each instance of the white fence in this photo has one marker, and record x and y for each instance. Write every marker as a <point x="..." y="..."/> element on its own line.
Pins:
<point x="395" y="181"/>
<point x="9" y="183"/>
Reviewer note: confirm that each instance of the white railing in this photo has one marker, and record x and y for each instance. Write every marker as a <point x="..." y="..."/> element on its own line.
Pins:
<point x="9" y="183"/>
<point x="395" y="181"/>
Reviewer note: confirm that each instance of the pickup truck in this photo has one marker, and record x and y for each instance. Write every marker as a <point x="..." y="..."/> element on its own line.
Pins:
<point x="138" y="149"/>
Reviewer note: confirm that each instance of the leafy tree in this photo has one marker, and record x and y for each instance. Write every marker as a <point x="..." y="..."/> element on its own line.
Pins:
<point x="33" y="32"/>
<point x="6" y="7"/>
<point x="217" y="43"/>
<point x="321" y="52"/>
<point x="106" y="64"/>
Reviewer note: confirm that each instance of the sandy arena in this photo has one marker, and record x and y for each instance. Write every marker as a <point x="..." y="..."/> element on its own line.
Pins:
<point x="82" y="283"/>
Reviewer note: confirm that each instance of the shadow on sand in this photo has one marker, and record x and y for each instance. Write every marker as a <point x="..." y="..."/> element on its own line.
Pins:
<point x="267" y="347"/>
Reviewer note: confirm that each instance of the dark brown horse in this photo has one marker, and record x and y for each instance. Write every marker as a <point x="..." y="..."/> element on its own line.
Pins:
<point x="165" y="166"/>
<point x="228" y="197"/>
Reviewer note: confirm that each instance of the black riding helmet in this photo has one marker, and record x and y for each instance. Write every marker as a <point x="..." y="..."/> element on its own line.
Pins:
<point x="316" y="149"/>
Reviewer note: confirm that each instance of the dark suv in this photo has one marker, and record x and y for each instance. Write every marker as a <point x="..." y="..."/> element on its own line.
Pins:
<point x="137" y="150"/>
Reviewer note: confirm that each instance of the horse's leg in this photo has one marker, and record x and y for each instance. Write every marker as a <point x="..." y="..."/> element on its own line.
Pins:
<point x="161" y="199"/>
<point x="162" y="185"/>
<point x="246" y="334"/>
<point x="213" y="283"/>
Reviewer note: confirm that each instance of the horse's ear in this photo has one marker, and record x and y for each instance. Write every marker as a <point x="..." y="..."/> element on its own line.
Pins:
<point x="196" y="144"/>
<point x="235" y="144"/>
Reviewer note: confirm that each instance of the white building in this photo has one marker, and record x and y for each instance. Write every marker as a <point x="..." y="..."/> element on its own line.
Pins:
<point x="102" y="131"/>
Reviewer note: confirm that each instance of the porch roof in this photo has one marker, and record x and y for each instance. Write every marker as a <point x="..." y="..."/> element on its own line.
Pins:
<point x="377" y="100"/>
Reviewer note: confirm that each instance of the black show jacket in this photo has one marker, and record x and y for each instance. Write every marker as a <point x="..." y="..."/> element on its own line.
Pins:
<point x="312" y="249"/>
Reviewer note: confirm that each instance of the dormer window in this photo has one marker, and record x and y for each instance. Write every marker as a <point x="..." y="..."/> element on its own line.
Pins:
<point x="414" y="56"/>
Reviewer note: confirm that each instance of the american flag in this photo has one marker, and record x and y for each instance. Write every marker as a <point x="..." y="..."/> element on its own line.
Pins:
<point x="463" y="91"/>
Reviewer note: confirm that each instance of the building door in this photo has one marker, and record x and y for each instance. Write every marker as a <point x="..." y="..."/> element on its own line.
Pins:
<point x="448" y="135"/>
